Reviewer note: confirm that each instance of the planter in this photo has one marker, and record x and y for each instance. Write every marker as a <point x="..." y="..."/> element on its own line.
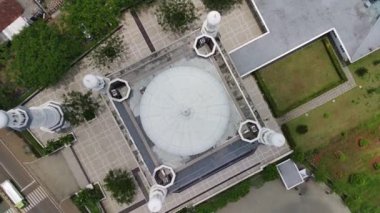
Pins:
<point x="97" y="184"/>
<point x="60" y="143"/>
<point x="88" y="199"/>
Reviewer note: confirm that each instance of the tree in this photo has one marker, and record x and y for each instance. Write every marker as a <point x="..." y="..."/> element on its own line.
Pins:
<point x="90" y="18"/>
<point x="176" y="15"/>
<point x="121" y="185"/>
<point x="78" y="107"/>
<point x="107" y="53"/>
<point x="220" y="5"/>
<point x="41" y="55"/>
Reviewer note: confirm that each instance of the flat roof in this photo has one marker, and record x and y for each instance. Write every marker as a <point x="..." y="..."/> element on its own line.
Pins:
<point x="289" y="174"/>
<point x="293" y="23"/>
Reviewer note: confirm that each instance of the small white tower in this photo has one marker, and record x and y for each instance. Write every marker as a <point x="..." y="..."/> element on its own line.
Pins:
<point x="157" y="194"/>
<point x="271" y="138"/>
<point x="48" y="117"/>
<point x="211" y="24"/>
<point x="94" y="82"/>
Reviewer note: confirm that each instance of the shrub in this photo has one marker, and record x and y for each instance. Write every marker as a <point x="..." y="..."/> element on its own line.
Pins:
<point x="321" y="174"/>
<point x="358" y="179"/>
<point x="302" y="129"/>
<point x="340" y="155"/>
<point x="121" y="185"/>
<point x="298" y="155"/>
<point x="376" y="166"/>
<point x="220" y="5"/>
<point x="376" y="62"/>
<point x="53" y="145"/>
<point x="326" y="115"/>
<point x="107" y="53"/>
<point x="361" y="72"/>
<point x="78" y="107"/>
<point x="176" y="15"/>
<point x="363" y="142"/>
<point x="88" y="198"/>
<point x="270" y="173"/>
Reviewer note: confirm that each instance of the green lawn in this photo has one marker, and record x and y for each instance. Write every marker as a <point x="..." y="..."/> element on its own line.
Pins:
<point x="300" y="76"/>
<point x="334" y="130"/>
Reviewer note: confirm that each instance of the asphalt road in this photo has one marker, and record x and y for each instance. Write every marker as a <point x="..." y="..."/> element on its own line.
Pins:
<point x="14" y="168"/>
<point x="11" y="168"/>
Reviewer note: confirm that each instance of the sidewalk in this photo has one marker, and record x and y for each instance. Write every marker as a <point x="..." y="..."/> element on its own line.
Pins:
<point x="274" y="198"/>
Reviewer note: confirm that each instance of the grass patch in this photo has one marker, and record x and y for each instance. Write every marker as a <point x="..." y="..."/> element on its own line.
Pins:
<point x="343" y="147"/>
<point x="300" y="76"/>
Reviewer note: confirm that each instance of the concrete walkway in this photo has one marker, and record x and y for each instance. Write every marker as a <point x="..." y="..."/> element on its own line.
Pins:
<point x="320" y="100"/>
<point x="274" y="198"/>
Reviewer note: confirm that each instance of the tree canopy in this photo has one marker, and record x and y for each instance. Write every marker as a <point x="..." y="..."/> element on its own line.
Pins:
<point x="121" y="185"/>
<point x="91" y="18"/>
<point x="79" y="107"/>
<point x="41" y="55"/>
<point x="176" y="15"/>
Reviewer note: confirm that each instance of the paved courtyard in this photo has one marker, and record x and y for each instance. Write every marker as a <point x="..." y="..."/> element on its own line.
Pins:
<point x="274" y="198"/>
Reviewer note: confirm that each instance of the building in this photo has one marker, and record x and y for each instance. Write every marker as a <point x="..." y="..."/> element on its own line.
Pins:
<point x="353" y="25"/>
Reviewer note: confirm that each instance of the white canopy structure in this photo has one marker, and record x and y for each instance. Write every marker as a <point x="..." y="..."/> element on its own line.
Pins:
<point x="15" y="28"/>
<point x="185" y="111"/>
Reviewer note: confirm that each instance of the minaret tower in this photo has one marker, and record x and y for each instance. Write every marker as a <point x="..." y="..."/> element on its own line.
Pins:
<point x="48" y="117"/>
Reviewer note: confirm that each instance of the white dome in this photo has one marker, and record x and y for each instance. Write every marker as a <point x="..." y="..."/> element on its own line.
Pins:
<point x="154" y="204"/>
<point x="90" y="81"/>
<point x="277" y="139"/>
<point x="3" y="119"/>
<point x="214" y="17"/>
<point x="184" y="111"/>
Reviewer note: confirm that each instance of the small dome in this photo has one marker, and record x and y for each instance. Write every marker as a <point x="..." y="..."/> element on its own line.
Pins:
<point x="154" y="204"/>
<point x="90" y="81"/>
<point x="277" y="140"/>
<point x="214" y="17"/>
<point x="3" y="119"/>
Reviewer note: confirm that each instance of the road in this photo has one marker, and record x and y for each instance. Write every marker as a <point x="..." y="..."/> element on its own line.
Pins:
<point x="274" y="198"/>
<point x="36" y="195"/>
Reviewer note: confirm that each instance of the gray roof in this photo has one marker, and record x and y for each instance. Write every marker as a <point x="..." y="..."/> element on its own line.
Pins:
<point x="289" y="174"/>
<point x="293" y="23"/>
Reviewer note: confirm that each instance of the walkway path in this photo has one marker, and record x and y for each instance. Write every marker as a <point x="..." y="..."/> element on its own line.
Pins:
<point x="320" y="100"/>
<point x="274" y="198"/>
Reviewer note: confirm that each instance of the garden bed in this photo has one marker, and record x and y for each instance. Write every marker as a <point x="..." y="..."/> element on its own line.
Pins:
<point x="300" y="76"/>
<point x="88" y="200"/>
<point x="54" y="146"/>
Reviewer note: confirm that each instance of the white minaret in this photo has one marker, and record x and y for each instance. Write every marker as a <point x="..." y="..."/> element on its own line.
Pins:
<point x="94" y="82"/>
<point x="48" y="117"/>
<point x="211" y="24"/>
<point x="157" y="194"/>
<point x="271" y="138"/>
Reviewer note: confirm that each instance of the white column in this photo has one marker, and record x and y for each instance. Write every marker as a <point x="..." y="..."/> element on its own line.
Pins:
<point x="271" y="138"/>
<point x="157" y="194"/>
<point x="94" y="82"/>
<point x="211" y="24"/>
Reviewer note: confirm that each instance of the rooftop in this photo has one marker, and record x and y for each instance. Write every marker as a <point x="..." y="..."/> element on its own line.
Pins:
<point x="293" y="23"/>
<point x="10" y="10"/>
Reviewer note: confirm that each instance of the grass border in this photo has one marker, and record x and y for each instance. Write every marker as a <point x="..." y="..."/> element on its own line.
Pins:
<point x="270" y="100"/>
<point x="36" y="148"/>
